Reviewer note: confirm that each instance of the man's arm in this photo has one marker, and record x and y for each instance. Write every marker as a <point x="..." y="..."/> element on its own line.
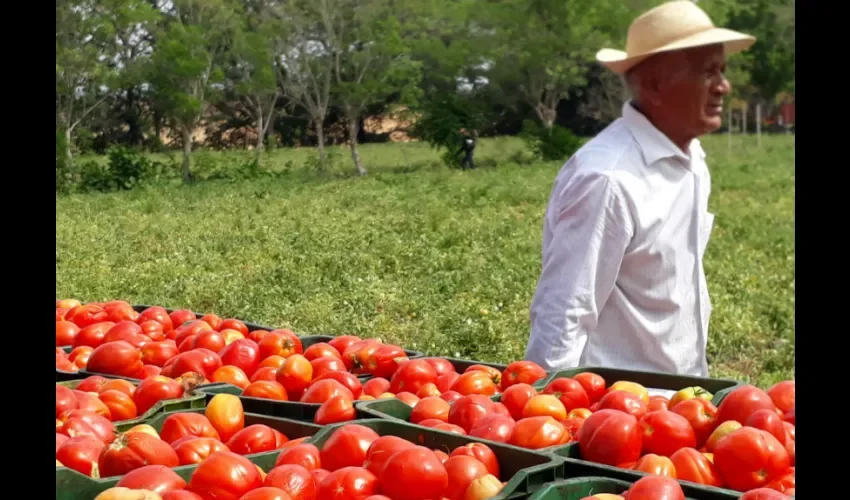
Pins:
<point x="580" y="269"/>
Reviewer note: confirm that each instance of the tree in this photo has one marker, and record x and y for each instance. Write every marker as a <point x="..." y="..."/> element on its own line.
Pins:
<point x="371" y="62"/>
<point x="186" y="64"/>
<point x="552" y="45"/>
<point x="251" y="75"/>
<point x="82" y="75"/>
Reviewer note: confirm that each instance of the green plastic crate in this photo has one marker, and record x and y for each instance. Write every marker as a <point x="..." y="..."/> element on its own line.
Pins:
<point x="196" y="400"/>
<point x="576" y="466"/>
<point x="71" y="485"/>
<point x="527" y="470"/>
<point x="581" y="487"/>
<point x="654" y="380"/>
<point x="63" y="376"/>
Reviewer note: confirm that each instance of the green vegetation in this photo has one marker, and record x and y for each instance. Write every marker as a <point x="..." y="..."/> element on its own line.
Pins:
<point x="439" y="260"/>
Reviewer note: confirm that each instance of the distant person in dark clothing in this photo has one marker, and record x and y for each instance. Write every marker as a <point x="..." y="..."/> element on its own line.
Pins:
<point x="468" y="148"/>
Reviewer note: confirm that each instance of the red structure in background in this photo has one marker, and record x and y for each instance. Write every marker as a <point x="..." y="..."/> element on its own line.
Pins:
<point x="787" y="113"/>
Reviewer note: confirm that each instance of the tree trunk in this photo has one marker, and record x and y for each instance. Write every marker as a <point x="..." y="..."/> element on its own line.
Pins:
<point x="261" y="145"/>
<point x="320" y="138"/>
<point x="353" y="128"/>
<point x="547" y="114"/>
<point x="187" y="151"/>
<point x="69" y="157"/>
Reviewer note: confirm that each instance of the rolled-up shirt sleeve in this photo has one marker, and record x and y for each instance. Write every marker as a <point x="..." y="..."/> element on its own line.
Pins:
<point x="591" y="229"/>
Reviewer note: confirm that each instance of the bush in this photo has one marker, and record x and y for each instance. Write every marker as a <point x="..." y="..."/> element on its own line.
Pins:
<point x="556" y="143"/>
<point x="125" y="169"/>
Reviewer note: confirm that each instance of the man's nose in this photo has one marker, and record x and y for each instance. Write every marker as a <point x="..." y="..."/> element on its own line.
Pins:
<point x="722" y="86"/>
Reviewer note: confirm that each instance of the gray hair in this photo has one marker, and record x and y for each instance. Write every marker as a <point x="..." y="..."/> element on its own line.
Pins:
<point x="632" y="78"/>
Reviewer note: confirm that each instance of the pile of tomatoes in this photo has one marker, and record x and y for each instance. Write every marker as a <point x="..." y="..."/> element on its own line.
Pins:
<point x="353" y="463"/>
<point x="745" y="443"/>
<point x="185" y="438"/>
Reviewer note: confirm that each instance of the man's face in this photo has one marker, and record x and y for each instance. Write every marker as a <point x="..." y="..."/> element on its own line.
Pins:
<point x="693" y="95"/>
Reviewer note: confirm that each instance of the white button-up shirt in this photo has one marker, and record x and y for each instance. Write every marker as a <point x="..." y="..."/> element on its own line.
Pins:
<point x="622" y="283"/>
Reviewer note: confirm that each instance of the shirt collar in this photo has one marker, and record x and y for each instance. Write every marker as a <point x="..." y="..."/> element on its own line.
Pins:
<point x="653" y="143"/>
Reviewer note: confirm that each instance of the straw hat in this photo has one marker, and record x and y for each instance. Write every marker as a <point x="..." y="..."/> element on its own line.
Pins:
<point x="671" y="26"/>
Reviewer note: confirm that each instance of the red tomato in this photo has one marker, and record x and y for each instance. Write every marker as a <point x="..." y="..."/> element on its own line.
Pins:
<point x="65" y="400"/>
<point x="158" y="353"/>
<point x="60" y="440"/>
<point x="610" y="437"/>
<point x="384" y="361"/>
<point x="440" y="365"/>
<point x="769" y="421"/>
<point x="538" y="432"/>
<point x="411" y="375"/>
<point x="515" y="398"/>
<point x="376" y="386"/>
<point x="381" y="450"/>
<point x="155" y="389"/>
<point x="522" y="372"/>
<point x="491" y="371"/>
<point x="749" y="458"/>
<point x="295" y="374"/>
<point x="93" y="334"/>
<point x="265" y="373"/>
<point x="153" y="330"/>
<point x="209" y="339"/>
<point x="783" y="483"/>
<point x="194" y="450"/>
<point x="121" y="406"/>
<point x="414" y="474"/>
<point x="157" y="478"/>
<point x="181" y="316"/>
<point x="764" y="494"/>
<point x="295" y="480"/>
<point x="190" y="329"/>
<point x="158" y="314"/>
<point x="326" y="364"/>
<point x="691" y="465"/>
<point x="305" y="454"/>
<point x="624" y="401"/>
<point x="80" y="453"/>
<point x="116" y="358"/>
<point x="65" y="333"/>
<point x="178" y="425"/>
<point x="444" y="382"/>
<point x="656" y="488"/>
<point x="450" y="396"/>
<point x="342" y="342"/>
<point x="121" y="330"/>
<point x="321" y="349"/>
<point x="657" y="403"/>
<point x="461" y="471"/>
<point x="266" y="389"/>
<point x="357" y="354"/>
<point x="593" y="385"/>
<point x="348" y="483"/>
<point x="480" y="452"/>
<point x="466" y="411"/>
<point x="782" y="394"/>
<point x="225" y="476"/>
<point x="742" y="402"/>
<point x="120" y="385"/>
<point x="214" y="320"/>
<point x="337" y="409"/>
<point x="347" y="379"/>
<point x="475" y="382"/>
<point x="656" y="464"/>
<point x="323" y="391"/>
<point x="180" y="495"/>
<point x="88" y="401"/>
<point x="427" y="391"/>
<point x="234" y="324"/>
<point x="266" y="493"/>
<point x="134" y="450"/>
<point x="282" y="343"/>
<point x="83" y="422"/>
<point x="347" y="446"/>
<point x="494" y="427"/>
<point x="431" y="407"/>
<point x="790" y="417"/>
<point x="665" y="432"/>
<point x="255" y="438"/>
<point x="202" y="361"/>
<point x="701" y="414"/>
<point x="85" y="315"/>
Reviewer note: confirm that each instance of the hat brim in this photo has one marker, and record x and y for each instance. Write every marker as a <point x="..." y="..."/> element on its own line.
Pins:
<point x="733" y="42"/>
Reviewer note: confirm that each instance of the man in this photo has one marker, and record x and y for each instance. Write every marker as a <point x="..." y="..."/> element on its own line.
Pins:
<point x="467" y="148"/>
<point x="622" y="283"/>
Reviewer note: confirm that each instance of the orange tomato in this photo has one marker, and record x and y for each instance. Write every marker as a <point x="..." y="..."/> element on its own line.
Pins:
<point x="225" y="413"/>
<point x="545" y="405"/>
<point x="231" y="375"/>
<point x="266" y="389"/>
<point x="296" y="373"/>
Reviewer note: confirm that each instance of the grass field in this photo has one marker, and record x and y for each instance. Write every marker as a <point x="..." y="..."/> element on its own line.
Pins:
<point x="438" y="260"/>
